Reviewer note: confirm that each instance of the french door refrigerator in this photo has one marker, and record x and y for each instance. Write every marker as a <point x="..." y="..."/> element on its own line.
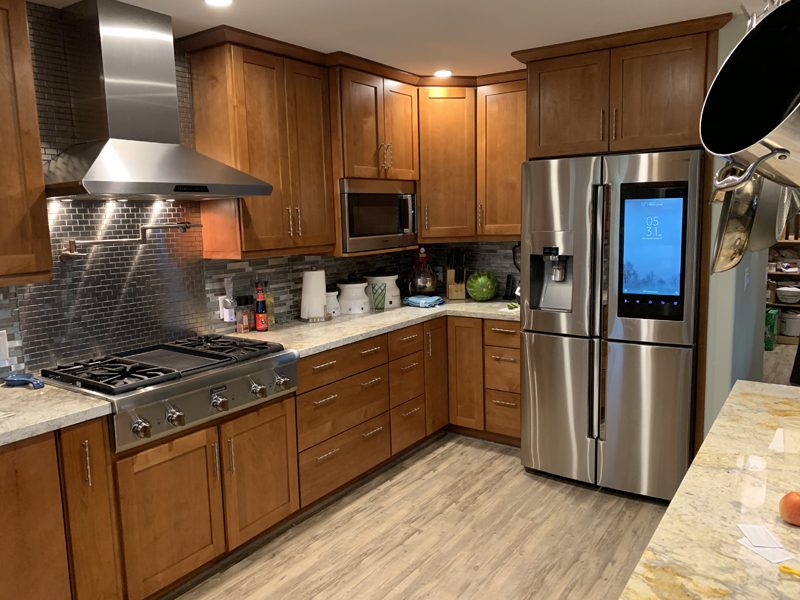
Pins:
<point x="609" y="247"/>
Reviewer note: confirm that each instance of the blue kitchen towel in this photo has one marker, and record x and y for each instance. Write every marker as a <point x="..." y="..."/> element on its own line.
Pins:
<point x="423" y="301"/>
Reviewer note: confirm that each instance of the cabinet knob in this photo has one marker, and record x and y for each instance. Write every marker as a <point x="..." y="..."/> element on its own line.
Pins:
<point x="219" y="402"/>
<point x="141" y="428"/>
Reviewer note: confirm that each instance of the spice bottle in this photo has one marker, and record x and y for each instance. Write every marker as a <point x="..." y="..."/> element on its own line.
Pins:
<point x="262" y="319"/>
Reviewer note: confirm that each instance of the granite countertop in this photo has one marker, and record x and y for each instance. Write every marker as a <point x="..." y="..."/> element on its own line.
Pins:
<point x="311" y="338"/>
<point x="25" y="412"/>
<point x="738" y="476"/>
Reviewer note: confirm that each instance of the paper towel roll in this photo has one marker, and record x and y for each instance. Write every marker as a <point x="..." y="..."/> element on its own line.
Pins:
<point x="312" y="302"/>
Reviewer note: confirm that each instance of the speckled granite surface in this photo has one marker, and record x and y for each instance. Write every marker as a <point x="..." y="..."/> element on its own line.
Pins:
<point x="25" y="412"/>
<point x="310" y="338"/>
<point x="735" y="478"/>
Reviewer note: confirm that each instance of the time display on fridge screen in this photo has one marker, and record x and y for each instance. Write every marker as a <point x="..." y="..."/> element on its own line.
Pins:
<point x="652" y="246"/>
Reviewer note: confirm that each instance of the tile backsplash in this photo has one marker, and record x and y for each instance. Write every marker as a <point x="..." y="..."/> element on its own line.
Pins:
<point x="123" y="296"/>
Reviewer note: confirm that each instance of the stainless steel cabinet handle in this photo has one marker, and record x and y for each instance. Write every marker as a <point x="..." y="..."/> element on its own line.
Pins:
<point x="614" y="124"/>
<point x="299" y="223"/>
<point x="430" y="344"/>
<point x="325" y="401"/>
<point x="409" y="367"/>
<point x="289" y="212"/>
<point x="409" y="413"/>
<point x="215" y="446"/>
<point x="87" y="460"/>
<point x="502" y="403"/>
<point x="382" y="157"/>
<point x="500" y="330"/>
<point x="324" y="365"/>
<point x="232" y="455"/>
<point x="370" y="350"/>
<point x="427" y="226"/>
<point x="369" y="434"/>
<point x="480" y="214"/>
<point x="409" y="337"/>
<point x="503" y="358"/>
<point x="327" y="454"/>
<point x="602" y="124"/>
<point x="391" y="156"/>
<point x="371" y="382"/>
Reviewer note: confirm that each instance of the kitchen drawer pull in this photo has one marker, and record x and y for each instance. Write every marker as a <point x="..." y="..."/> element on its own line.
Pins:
<point x="88" y="462"/>
<point x="503" y="403"/>
<point x="325" y="401"/>
<point x="409" y="337"/>
<point x="409" y="367"/>
<point x="327" y="454"/>
<point x="370" y="350"/>
<point x="233" y="455"/>
<point x="215" y="446"/>
<point x="324" y="365"/>
<point x="369" y="434"/>
<point x="371" y="382"/>
<point x="501" y="330"/>
<point x="504" y="358"/>
<point x="409" y="413"/>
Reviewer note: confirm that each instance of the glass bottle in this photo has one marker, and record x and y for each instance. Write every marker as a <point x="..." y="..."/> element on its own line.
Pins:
<point x="262" y="319"/>
<point x="423" y="279"/>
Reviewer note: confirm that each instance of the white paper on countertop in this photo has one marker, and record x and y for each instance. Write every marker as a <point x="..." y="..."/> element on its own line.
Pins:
<point x="776" y="445"/>
<point x="760" y="536"/>
<point x="773" y="555"/>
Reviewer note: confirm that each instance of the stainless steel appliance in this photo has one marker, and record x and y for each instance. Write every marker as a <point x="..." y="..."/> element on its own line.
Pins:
<point x="161" y="390"/>
<point x="608" y="316"/>
<point x="377" y="214"/>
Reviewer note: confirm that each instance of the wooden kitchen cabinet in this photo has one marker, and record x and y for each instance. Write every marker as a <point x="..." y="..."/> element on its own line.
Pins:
<point x="90" y="504"/>
<point x="408" y="424"/>
<point x="437" y="404"/>
<point x="33" y="553"/>
<point x="333" y="365"/>
<point x="25" y="255"/>
<point x="379" y="127"/>
<point x="501" y="110"/>
<point x="259" y="459"/>
<point x="170" y="499"/>
<point x="446" y="198"/>
<point x="267" y="116"/>
<point x="406" y="378"/>
<point x="465" y="371"/>
<point x="502" y="413"/>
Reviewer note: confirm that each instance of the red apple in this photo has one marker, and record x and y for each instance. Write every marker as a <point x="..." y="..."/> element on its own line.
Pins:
<point x="790" y="508"/>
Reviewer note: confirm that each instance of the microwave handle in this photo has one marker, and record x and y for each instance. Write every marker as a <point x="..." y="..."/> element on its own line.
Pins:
<point x="412" y="214"/>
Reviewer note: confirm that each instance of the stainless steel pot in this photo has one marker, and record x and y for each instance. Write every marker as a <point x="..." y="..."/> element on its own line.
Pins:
<point x="751" y="115"/>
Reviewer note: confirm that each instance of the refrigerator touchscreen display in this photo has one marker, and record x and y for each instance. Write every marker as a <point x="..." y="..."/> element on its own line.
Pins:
<point x="652" y="251"/>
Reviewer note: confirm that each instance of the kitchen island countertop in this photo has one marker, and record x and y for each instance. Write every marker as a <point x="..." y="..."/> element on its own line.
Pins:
<point x="738" y="477"/>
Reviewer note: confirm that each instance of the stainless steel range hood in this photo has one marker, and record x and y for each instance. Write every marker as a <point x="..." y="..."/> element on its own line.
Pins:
<point x="125" y="112"/>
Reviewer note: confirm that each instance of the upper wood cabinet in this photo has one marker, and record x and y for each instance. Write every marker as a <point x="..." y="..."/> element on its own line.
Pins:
<point x="24" y="235"/>
<point x="446" y="198"/>
<point x="268" y="116"/>
<point x="636" y="97"/>
<point x="379" y="127"/>
<point x="501" y="152"/>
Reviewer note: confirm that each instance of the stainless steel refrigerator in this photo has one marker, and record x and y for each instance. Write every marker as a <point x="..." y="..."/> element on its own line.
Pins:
<point x="609" y="253"/>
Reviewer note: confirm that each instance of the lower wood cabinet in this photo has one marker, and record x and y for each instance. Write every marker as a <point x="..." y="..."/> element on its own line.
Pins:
<point x="90" y="504"/>
<point x="437" y="406"/>
<point x="170" y="500"/>
<point x="408" y="424"/>
<point x="502" y="368"/>
<point x="502" y="413"/>
<point x="259" y="459"/>
<point x="465" y="360"/>
<point x="406" y="378"/>
<point x="33" y="552"/>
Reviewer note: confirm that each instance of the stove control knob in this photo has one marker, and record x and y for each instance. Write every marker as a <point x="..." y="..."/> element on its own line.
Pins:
<point x="175" y="417"/>
<point x="219" y="402"/>
<point x="141" y="428"/>
<point x="259" y="391"/>
<point x="280" y="381"/>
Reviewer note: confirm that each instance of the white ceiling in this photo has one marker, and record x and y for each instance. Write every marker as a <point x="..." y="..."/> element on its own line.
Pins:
<point x="470" y="37"/>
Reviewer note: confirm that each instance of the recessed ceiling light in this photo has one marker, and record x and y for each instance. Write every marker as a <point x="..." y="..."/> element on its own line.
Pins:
<point x="219" y="3"/>
<point x="442" y="73"/>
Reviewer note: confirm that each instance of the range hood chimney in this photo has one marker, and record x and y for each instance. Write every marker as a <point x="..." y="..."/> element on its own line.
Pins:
<point x="125" y="113"/>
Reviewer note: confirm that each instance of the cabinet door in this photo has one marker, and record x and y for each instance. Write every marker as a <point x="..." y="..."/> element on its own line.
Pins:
<point x="265" y="220"/>
<point x="362" y="124"/>
<point x="568" y="105"/>
<point x="170" y="499"/>
<point x="33" y="555"/>
<point x="402" y="130"/>
<point x="310" y="153"/>
<point x="437" y="406"/>
<point x="90" y="503"/>
<point x="465" y="343"/>
<point x="24" y="234"/>
<point x="501" y="152"/>
<point x="260" y="466"/>
<point x="657" y="93"/>
<point x="447" y="162"/>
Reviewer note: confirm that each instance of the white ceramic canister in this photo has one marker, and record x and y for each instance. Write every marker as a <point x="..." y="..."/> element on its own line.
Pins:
<point x="312" y="301"/>
<point x="352" y="297"/>
<point x="332" y="304"/>
<point x="393" y="299"/>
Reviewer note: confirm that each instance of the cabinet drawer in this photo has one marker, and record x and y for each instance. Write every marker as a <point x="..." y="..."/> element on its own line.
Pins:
<point x="333" y="463"/>
<point x="408" y="424"/>
<point x="334" y="408"/>
<point x="502" y="368"/>
<point x="406" y="378"/>
<point x="501" y="333"/>
<point x="502" y="413"/>
<point x="333" y="365"/>
<point x="405" y="341"/>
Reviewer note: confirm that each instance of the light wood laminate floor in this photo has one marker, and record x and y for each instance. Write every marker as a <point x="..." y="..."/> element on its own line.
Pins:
<point x="459" y="518"/>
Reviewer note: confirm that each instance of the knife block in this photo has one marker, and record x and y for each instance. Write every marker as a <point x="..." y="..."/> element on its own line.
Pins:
<point x="455" y="291"/>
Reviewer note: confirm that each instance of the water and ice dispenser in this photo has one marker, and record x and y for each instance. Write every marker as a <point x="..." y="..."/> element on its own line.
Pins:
<point x="551" y="278"/>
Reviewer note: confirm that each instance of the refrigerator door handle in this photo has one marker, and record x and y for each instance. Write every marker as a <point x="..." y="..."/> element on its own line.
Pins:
<point x="600" y="253"/>
<point x="600" y="378"/>
<point x="594" y="398"/>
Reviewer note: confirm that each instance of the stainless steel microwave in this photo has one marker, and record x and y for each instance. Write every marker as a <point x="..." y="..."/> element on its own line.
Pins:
<point x="377" y="214"/>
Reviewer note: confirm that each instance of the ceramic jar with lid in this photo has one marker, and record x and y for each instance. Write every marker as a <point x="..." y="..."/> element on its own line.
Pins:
<point x="352" y="296"/>
<point x="393" y="299"/>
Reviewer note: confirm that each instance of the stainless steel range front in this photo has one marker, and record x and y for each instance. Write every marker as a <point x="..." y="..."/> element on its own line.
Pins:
<point x="161" y="390"/>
